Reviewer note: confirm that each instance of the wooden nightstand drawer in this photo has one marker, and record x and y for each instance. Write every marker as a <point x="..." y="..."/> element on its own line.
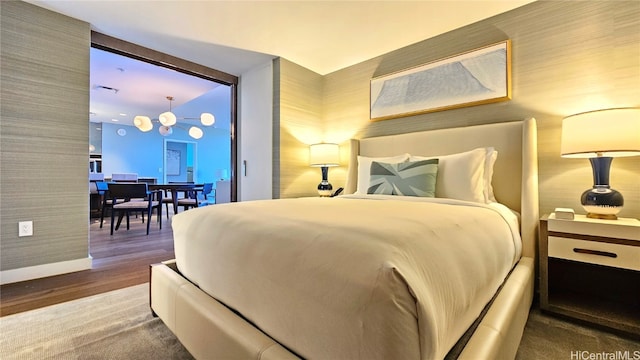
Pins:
<point x="601" y="253"/>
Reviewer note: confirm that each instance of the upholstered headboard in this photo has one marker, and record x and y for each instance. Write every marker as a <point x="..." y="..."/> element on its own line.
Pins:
<point x="515" y="178"/>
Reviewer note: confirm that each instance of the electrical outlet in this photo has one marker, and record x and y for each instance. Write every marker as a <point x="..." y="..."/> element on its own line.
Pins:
<point x="25" y="228"/>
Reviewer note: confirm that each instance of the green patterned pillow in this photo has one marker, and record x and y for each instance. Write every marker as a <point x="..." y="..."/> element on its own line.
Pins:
<point x="417" y="178"/>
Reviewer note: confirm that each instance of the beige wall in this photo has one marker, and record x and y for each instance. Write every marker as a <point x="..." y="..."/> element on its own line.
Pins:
<point x="44" y="132"/>
<point x="568" y="57"/>
<point x="297" y="125"/>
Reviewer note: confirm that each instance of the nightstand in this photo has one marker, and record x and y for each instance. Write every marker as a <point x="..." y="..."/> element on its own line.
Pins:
<point x="590" y="271"/>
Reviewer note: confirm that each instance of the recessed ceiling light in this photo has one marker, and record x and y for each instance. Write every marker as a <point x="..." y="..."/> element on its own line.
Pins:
<point x="123" y="114"/>
<point x="115" y="120"/>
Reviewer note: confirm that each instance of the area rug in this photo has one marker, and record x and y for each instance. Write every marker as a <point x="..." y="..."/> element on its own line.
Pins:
<point x="549" y="337"/>
<point x="113" y="325"/>
<point x="118" y="325"/>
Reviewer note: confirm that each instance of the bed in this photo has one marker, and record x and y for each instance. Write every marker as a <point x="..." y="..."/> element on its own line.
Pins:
<point x="353" y="276"/>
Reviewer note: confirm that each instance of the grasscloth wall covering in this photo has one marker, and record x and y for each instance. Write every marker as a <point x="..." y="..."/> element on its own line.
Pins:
<point x="297" y="125"/>
<point x="568" y="57"/>
<point x="44" y="135"/>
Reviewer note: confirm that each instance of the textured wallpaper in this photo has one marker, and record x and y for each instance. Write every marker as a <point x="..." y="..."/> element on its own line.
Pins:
<point x="567" y="57"/>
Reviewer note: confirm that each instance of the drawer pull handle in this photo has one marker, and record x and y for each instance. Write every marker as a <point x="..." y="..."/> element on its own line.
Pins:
<point x="595" y="252"/>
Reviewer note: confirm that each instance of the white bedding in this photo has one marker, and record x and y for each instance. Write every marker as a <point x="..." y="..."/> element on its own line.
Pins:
<point x="351" y="277"/>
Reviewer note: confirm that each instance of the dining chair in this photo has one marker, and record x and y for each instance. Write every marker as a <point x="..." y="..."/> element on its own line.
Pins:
<point x="167" y="199"/>
<point x="128" y="197"/>
<point x="196" y="198"/>
<point x="106" y="203"/>
<point x="102" y="187"/>
<point x="178" y="193"/>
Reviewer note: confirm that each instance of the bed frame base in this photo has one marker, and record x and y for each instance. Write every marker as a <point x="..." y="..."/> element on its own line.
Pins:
<point x="210" y="330"/>
<point x="500" y="331"/>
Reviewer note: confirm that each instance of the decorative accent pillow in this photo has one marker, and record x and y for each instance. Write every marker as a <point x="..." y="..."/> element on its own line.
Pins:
<point x="364" y="168"/>
<point x="416" y="178"/>
<point x="461" y="175"/>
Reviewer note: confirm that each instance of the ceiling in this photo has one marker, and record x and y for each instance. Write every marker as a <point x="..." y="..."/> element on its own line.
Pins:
<point x="235" y="36"/>
<point x="122" y="88"/>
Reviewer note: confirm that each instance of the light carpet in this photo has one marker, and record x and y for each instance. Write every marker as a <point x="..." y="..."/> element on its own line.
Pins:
<point x="113" y="325"/>
<point x="550" y="337"/>
<point x="119" y="325"/>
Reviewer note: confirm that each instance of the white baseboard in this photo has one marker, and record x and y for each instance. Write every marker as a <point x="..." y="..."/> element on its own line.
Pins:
<point x="45" y="270"/>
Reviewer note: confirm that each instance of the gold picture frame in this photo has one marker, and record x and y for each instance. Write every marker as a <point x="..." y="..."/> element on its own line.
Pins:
<point x="477" y="77"/>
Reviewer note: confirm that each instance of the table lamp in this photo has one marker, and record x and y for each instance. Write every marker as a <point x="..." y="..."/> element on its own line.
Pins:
<point x="600" y="136"/>
<point x="324" y="155"/>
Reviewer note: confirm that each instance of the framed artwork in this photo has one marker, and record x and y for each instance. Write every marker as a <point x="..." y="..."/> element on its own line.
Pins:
<point x="480" y="76"/>
<point x="173" y="162"/>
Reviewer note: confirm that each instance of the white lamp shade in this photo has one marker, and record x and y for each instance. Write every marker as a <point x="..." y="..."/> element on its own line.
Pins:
<point x="167" y="118"/>
<point x="207" y="119"/>
<point x="324" y="154"/>
<point x="609" y="132"/>
<point x="195" y="132"/>
<point x="143" y="123"/>
<point x="165" y="130"/>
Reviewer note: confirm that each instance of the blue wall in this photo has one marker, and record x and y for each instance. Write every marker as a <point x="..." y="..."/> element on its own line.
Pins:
<point x="142" y="153"/>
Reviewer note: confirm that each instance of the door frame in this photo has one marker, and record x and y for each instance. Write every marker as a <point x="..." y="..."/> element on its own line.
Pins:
<point x="165" y="147"/>
<point x="108" y="43"/>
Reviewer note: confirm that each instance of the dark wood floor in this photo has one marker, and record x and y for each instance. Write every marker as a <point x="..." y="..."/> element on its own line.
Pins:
<point x="119" y="261"/>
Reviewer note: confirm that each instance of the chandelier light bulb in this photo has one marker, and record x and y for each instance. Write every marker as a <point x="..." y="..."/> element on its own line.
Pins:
<point x="165" y="130"/>
<point x="167" y="118"/>
<point x="195" y="132"/>
<point x="207" y="119"/>
<point x="143" y="123"/>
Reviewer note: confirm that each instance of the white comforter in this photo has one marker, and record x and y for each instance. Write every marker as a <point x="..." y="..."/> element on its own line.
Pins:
<point x="349" y="277"/>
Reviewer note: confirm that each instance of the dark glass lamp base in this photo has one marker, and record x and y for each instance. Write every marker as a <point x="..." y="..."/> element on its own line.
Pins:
<point x="602" y="202"/>
<point x="324" y="189"/>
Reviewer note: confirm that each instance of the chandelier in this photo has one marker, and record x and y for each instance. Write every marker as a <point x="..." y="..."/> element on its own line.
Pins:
<point x="168" y="121"/>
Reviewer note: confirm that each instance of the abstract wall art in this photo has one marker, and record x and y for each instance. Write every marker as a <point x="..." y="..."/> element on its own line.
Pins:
<point x="477" y="77"/>
<point x="173" y="162"/>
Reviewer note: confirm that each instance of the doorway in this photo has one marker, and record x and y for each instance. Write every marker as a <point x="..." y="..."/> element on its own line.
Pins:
<point x="123" y="145"/>
<point x="224" y="137"/>
<point x="180" y="161"/>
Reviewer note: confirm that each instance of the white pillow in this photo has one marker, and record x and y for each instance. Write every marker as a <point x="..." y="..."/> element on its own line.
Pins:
<point x="364" y="169"/>
<point x="460" y="176"/>
<point x="490" y="160"/>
